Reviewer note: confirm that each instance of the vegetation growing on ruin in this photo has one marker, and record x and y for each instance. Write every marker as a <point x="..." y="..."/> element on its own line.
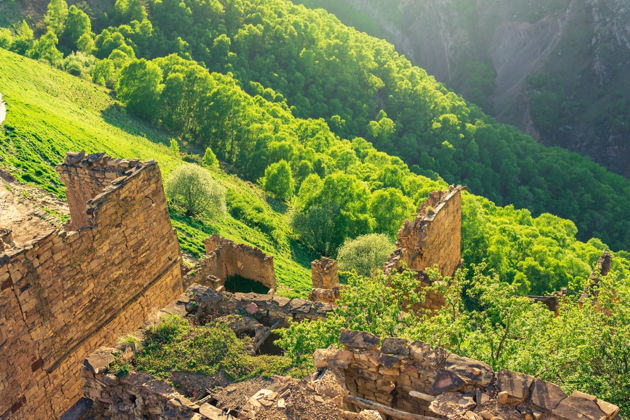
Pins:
<point x="174" y="345"/>
<point x="584" y="347"/>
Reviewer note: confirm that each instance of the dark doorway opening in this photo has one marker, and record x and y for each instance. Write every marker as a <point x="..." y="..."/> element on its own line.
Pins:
<point x="238" y="284"/>
<point x="269" y="346"/>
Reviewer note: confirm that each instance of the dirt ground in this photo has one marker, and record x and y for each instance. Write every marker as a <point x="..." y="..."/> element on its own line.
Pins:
<point x="29" y="212"/>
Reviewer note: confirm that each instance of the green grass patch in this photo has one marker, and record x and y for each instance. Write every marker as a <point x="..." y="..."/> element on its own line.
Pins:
<point x="175" y="345"/>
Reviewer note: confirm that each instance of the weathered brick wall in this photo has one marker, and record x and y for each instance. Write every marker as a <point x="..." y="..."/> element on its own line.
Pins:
<point x="225" y="258"/>
<point x="69" y="292"/>
<point x="415" y="378"/>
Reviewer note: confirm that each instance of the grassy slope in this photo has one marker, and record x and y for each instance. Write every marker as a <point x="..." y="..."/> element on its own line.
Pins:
<point x="51" y="112"/>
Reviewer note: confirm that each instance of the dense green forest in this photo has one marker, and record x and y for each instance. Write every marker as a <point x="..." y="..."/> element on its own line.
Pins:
<point x="358" y="85"/>
<point x="338" y="188"/>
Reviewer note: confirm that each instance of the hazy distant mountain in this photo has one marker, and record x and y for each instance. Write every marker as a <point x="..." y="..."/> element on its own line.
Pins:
<point x="558" y="69"/>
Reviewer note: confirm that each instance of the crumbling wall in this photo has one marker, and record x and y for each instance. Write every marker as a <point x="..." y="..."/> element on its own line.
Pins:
<point x="225" y="259"/>
<point x="434" y="237"/>
<point x="325" y="276"/>
<point x="69" y="292"/>
<point x="325" y="273"/>
<point x="415" y="378"/>
<point x="270" y="310"/>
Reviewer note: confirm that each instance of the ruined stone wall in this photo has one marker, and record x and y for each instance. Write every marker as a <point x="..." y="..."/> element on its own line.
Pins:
<point x="65" y="294"/>
<point x="434" y="236"/>
<point x="225" y="258"/>
<point x="267" y="309"/>
<point x="325" y="273"/>
<point x="133" y="396"/>
<point x="415" y="378"/>
<point x="325" y="276"/>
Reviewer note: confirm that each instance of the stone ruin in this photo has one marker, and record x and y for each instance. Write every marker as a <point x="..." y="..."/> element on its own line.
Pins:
<point x="369" y="379"/>
<point x="225" y="259"/>
<point x="6" y="239"/>
<point x="433" y="238"/>
<point x="68" y="292"/>
<point x="406" y="380"/>
<point x="325" y="277"/>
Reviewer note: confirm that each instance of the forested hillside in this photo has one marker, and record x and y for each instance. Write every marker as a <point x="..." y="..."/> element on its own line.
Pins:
<point x="185" y="82"/>
<point x="361" y="87"/>
<point x="336" y="189"/>
<point x="554" y="68"/>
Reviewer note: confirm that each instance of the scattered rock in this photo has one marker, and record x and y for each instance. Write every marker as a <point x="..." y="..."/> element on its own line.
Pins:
<point x="515" y="385"/>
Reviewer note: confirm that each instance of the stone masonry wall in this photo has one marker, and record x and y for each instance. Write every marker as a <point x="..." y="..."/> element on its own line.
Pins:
<point x="68" y="292"/>
<point x="434" y="237"/>
<point x="415" y="378"/>
<point x="325" y="276"/>
<point x="225" y="258"/>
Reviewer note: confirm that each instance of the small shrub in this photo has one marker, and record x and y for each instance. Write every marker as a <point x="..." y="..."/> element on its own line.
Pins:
<point x="174" y="147"/>
<point x="278" y="180"/>
<point x="210" y="159"/>
<point x="6" y="38"/>
<point x="196" y="191"/>
<point x="365" y="253"/>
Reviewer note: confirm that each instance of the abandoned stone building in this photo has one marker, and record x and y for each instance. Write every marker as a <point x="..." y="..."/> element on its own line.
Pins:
<point x="70" y="291"/>
<point x="69" y="294"/>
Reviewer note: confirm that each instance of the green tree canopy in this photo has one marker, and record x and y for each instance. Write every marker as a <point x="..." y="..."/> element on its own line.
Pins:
<point x="196" y="191"/>
<point x="139" y="87"/>
<point x="278" y="180"/>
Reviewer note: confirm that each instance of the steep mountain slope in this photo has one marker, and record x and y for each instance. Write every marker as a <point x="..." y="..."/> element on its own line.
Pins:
<point x="360" y="85"/>
<point x="553" y="68"/>
<point x="51" y="112"/>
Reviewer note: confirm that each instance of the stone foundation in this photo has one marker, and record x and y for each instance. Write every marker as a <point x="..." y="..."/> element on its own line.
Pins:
<point x="68" y="292"/>
<point x="414" y="378"/>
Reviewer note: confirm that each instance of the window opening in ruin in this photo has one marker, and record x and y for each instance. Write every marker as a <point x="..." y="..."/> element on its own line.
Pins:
<point x="269" y="346"/>
<point x="239" y="284"/>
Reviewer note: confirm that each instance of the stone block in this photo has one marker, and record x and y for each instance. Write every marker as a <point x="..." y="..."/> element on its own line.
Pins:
<point x="397" y="346"/>
<point x="546" y="395"/>
<point x="516" y="385"/>
<point x="579" y="406"/>
<point x="359" y="340"/>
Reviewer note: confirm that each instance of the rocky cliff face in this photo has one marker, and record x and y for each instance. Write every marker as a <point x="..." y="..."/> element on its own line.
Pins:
<point x="555" y="68"/>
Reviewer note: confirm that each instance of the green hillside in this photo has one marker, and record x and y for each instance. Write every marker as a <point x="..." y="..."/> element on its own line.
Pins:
<point x="361" y="86"/>
<point x="51" y="112"/>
